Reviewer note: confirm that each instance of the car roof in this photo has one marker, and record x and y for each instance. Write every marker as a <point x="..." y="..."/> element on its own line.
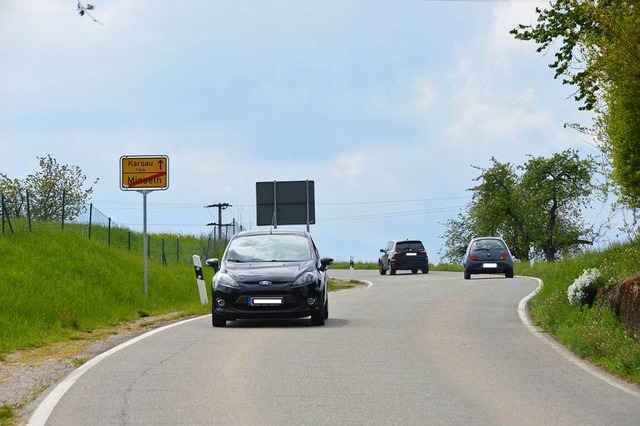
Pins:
<point x="488" y="238"/>
<point x="406" y="241"/>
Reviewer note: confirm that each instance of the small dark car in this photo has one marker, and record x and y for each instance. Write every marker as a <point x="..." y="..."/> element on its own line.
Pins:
<point x="270" y="274"/>
<point x="403" y="255"/>
<point x="487" y="255"/>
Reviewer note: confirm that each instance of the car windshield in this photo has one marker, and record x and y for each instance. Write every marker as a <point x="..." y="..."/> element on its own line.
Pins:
<point x="409" y="246"/>
<point x="269" y="248"/>
<point x="488" y="245"/>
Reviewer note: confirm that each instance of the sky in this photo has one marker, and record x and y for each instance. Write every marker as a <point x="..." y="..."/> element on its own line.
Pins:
<point x="385" y="105"/>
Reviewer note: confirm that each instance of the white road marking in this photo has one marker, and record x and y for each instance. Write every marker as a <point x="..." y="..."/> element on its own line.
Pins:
<point x="566" y="354"/>
<point x="44" y="410"/>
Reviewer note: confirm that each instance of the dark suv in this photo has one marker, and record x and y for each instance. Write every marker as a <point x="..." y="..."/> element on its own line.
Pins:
<point x="403" y="255"/>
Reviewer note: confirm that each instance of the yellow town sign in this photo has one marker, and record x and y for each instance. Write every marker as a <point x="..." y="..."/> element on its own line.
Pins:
<point x="144" y="172"/>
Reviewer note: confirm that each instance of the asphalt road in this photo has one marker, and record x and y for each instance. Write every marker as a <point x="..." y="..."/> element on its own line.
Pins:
<point x="409" y="350"/>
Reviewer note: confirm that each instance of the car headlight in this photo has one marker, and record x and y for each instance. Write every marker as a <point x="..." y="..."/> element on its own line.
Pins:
<point x="305" y="279"/>
<point x="224" y="280"/>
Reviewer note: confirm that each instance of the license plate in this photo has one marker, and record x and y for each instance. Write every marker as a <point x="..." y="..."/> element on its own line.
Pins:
<point x="489" y="265"/>
<point x="265" y="301"/>
<point x="411" y="254"/>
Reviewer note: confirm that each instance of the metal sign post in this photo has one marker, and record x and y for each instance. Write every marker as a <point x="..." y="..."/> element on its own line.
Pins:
<point x="144" y="174"/>
<point x="145" y="241"/>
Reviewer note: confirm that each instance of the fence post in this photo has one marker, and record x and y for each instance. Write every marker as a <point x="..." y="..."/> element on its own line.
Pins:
<point x="5" y="216"/>
<point x="90" y="217"/>
<point x="28" y="211"/>
<point x="64" y="193"/>
<point x="164" y="257"/>
<point x="109" y="233"/>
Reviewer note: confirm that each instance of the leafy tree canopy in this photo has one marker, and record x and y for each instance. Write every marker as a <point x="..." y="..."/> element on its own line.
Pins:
<point x="598" y="51"/>
<point x="51" y="188"/>
<point x="535" y="205"/>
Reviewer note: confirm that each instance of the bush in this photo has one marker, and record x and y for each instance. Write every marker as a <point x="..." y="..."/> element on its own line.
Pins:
<point x="583" y="290"/>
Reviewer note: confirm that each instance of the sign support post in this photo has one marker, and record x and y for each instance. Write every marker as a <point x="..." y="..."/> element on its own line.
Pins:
<point x="145" y="240"/>
<point x="144" y="174"/>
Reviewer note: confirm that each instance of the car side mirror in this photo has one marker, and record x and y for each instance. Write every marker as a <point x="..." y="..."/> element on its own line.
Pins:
<point x="324" y="262"/>
<point x="214" y="263"/>
<point x="381" y="250"/>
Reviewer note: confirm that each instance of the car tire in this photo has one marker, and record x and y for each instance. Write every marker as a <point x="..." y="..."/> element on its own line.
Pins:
<point x="509" y="273"/>
<point x="425" y="270"/>
<point x="217" y="320"/>
<point x="381" y="269"/>
<point x="317" y="318"/>
<point x="326" y="310"/>
<point x="467" y="275"/>
<point x="414" y="271"/>
<point x="392" y="270"/>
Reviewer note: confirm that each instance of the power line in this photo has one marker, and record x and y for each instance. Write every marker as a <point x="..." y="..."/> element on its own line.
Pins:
<point x="219" y="224"/>
<point x="392" y="214"/>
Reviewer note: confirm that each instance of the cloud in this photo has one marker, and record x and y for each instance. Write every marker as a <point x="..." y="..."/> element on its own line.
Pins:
<point x="425" y="94"/>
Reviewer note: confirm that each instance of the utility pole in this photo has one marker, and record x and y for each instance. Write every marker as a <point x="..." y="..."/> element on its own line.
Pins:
<point x="220" y="206"/>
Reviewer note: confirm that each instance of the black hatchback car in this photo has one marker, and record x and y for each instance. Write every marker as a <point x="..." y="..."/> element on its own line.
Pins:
<point x="403" y="255"/>
<point x="270" y="274"/>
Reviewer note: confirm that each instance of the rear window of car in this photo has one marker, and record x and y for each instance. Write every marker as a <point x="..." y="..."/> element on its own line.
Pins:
<point x="409" y="246"/>
<point x="488" y="245"/>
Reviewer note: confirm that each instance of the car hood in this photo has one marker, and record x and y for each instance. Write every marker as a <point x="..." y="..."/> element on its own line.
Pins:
<point x="270" y="271"/>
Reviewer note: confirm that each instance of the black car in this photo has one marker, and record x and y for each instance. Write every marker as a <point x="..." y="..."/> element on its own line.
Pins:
<point x="487" y="255"/>
<point x="270" y="274"/>
<point x="403" y="255"/>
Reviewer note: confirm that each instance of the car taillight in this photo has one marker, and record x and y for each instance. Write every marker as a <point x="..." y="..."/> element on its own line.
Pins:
<point x="504" y="256"/>
<point x="473" y="256"/>
<point x="422" y="253"/>
<point x="397" y="255"/>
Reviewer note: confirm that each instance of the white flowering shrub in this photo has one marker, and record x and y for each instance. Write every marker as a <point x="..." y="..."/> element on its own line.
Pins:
<point x="583" y="289"/>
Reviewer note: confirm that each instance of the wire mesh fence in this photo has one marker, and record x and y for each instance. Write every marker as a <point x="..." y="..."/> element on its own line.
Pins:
<point x="96" y="225"/>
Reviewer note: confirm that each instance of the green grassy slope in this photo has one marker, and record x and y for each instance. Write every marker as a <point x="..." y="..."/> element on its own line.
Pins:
<point x="593" y="332"/>
<point x="55" y="283"/>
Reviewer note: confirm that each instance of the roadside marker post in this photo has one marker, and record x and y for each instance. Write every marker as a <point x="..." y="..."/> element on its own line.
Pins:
<point x="144" y="174"/>
<point x="202" y="289"/>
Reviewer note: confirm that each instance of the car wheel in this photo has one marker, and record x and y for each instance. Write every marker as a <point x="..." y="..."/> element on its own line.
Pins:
<point x="217" y="320"/>
<point x="317" y="318"/>
<point x="414" y="271"/>
<point x="392" y="270"/>
<point x="467" y="275"/>
<point x="425" y="270"/>
<point x="509" y="273"/>
<point x="381" y="269"/>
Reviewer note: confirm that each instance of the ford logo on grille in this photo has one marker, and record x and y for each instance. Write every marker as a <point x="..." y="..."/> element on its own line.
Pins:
<point x="265" y="283"/>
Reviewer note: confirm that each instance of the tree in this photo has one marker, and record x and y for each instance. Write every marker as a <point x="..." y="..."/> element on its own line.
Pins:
<point x="599" y="54"/>
<point x="15" y="196"/>
<point x="540" y="207"/>
<point x="557" y="188"/>
<point x="56" y="185"/>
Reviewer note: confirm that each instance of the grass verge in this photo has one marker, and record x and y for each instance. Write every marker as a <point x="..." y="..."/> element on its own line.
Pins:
<point x="593" y="333"/>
